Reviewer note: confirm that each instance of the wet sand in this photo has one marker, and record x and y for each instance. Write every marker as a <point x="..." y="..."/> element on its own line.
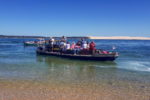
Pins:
<point x="31" y="90"/>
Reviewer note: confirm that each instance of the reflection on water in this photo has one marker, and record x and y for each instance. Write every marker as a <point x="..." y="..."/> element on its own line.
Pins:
<point x="75" y="71"/>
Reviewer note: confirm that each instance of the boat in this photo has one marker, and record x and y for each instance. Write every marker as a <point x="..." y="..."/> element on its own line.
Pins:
<point x="30" y="43"/>
<point x="34" y="43"/>
<point x="111" y="56"/>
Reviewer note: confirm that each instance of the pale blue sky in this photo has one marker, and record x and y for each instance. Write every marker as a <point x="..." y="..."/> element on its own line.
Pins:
<point x="75" y="17"/>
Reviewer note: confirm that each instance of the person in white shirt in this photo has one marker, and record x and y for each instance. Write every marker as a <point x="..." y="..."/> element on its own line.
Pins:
<point x="67" y="46"/>
<point x="62" y="46"/>
<point x="84" y="45"/>
<point x="51" y="43"/>
<point x="52" y="40"/>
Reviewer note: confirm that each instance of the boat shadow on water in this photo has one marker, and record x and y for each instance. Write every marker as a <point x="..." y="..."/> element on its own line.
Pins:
<point x="75" y="62"/>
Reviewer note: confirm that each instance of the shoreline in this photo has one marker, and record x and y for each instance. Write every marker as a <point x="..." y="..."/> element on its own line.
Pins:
<point x="119" y="38"/>
<point x="79" y="37"/>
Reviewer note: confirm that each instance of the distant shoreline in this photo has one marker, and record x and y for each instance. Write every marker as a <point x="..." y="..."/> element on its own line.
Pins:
<point x="36" y="37"/>
<point x="120" y="38"/>
<point x="85" y="37"/>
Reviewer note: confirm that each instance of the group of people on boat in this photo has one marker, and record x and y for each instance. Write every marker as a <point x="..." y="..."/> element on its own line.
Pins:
<point x="81" y="49"/>
<point x="63" y="46"/>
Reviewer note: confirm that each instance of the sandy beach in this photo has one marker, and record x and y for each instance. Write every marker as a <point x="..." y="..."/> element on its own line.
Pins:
<point x="30" y="90"/>
<point x="119" y="38"/>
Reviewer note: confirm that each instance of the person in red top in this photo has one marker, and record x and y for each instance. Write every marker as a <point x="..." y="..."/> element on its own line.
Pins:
<point x="92" y="47"/>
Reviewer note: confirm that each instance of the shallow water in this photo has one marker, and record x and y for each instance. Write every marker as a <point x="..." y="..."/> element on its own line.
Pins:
<point x="19" y="64"/>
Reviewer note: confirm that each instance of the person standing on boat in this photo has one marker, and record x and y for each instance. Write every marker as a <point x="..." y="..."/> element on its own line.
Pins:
<point x="67" y="46"/>
<point x="62" y="46"/>
<point x="88" y="45"/>
<point x="73" y="48"/>
<point x="84" y="49"/>
<point x="51" y="43"/>
<point x="92" y="47"/>
<point x="73" y="45"/>
<point x="84" y="45"/>
<point x="79" y="43"/>
<point x="64" y="39"/>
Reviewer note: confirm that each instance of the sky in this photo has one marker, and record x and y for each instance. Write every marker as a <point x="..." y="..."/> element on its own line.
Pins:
<point x="75" y="17"/>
